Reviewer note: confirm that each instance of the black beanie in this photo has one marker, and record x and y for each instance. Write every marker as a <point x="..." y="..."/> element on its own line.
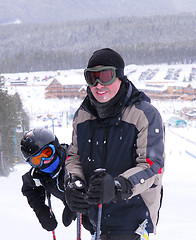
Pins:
<point x="107" y="57"/>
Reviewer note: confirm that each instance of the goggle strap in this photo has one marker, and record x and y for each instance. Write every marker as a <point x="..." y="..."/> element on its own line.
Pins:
<point x="119" y="72"/>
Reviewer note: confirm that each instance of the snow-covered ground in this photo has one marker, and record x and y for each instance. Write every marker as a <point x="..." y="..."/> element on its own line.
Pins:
<point x="177" y="215"/>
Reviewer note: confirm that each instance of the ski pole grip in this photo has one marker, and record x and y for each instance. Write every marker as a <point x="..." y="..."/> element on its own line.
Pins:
<point x="100" y="171"/>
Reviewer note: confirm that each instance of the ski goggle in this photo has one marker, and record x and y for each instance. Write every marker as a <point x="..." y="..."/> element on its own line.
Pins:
<point x="105" y="75"/>
<point x="46" y="153"/>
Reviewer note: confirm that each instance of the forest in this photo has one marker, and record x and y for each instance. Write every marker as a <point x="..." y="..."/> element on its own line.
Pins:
<point x="56" y="46"/>
<point x="13" y="121"/>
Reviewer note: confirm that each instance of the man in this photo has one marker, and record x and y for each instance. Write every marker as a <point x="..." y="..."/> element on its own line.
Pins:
<point x="116" y="128"/>
<point x="42" y="150"/>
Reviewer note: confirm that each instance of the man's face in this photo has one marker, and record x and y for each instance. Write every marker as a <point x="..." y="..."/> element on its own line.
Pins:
<point x="105" y="93"/>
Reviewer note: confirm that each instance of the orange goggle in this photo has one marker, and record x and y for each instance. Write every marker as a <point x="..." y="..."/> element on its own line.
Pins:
<point x="46" y="153"/>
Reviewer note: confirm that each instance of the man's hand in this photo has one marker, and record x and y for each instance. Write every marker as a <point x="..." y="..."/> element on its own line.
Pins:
<point x="103" y="188"/>
<point x="75" y="195"/>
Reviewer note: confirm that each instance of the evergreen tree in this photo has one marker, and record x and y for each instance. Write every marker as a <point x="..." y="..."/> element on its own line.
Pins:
<point x="12" y="115"/>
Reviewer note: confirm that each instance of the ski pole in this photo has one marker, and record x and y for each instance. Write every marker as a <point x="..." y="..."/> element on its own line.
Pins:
<point x="99" y="172"/>
<point x="79" y="185"/>
<point x="53" y="235"/>
<point x="50" y="206"/>
<point x="79" y="222"/>
<point x="98" y="222"/>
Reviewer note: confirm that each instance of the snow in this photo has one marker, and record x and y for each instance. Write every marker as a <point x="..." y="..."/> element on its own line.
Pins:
<point x="177" y="215"/>
<point x="18" y="221"/>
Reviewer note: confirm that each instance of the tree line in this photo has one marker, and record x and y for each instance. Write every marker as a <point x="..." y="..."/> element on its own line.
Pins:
<point x="140" y="40"/>
<point x="12" y="117"/>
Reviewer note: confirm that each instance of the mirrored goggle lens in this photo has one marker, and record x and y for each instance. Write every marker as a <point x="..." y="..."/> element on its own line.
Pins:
<point x="45" y="154"/>
<point x="105" y="76"/>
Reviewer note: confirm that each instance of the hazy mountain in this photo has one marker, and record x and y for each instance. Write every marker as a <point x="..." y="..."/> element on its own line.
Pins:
<point x="43" y="11"/>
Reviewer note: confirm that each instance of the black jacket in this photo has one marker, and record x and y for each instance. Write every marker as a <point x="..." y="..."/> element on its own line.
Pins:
<point x="37" y="184"/>
<point x="129" y="144"/>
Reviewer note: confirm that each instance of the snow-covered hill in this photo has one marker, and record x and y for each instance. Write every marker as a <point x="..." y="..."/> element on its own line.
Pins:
<point x="177" y="215"/>
<point x="65" y="10"/>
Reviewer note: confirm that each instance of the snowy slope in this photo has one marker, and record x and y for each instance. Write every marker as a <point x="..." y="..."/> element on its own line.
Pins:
<point x="177" y="215"/>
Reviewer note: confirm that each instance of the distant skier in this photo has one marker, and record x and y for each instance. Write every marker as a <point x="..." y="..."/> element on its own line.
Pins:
<point x="42" y="150"/>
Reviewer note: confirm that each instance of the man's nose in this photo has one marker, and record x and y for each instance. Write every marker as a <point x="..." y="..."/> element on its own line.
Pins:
<point x="99" y="85"/>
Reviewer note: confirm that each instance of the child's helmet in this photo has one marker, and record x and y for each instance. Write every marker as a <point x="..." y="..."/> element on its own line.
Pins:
<point x="34" y="140"/>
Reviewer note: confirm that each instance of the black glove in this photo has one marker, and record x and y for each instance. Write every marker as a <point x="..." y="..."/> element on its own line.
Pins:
<point x="46" y="218"/>
<point x="124" y="187"/>
<point x="75" y="195"/>
<point x="68" y="216"/>
<point x="87" y="224"/>
<point x="103" y="188"/>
